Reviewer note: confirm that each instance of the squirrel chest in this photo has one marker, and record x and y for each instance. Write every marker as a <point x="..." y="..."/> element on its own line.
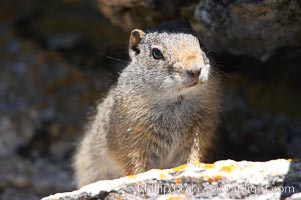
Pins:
<point x="158" y="133"/>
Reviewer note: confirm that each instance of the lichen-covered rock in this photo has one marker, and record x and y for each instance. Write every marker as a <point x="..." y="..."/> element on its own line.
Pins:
<point x="228" y="179"/>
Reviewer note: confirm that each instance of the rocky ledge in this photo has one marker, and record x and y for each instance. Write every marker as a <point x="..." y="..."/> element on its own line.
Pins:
<point x="275" y="179"/>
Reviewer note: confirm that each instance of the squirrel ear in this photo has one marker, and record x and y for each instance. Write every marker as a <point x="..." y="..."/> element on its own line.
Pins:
<point x="135" y="38"/>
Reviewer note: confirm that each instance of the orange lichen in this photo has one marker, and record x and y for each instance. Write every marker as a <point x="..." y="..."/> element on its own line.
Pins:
<point x="162" y="176"/>
<point x="227" y="168"/>
<point x="178" y="181"/>
<point x="174" y="197"/>
<point x="209" y="166"/>
<point x="214" y="178"/>
<point x="180" y="168"/>
<point x="131" y="176"/>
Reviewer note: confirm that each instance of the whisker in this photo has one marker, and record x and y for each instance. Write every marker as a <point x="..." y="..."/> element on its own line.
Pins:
<point x="208" y="51"/>
<point x="117" y="59"/>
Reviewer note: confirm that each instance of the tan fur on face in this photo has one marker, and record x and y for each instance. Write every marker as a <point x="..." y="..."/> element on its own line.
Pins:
<point x="185" y="52"/>
<point x="190" y="60"/>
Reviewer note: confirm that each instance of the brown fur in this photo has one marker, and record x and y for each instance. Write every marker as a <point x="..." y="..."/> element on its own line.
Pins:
<point x="137" y="128"/>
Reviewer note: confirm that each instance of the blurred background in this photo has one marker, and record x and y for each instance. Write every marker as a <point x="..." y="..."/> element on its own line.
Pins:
<point x="59" y="57"/>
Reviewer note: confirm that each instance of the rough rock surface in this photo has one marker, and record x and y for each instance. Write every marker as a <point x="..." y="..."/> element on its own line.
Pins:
<point x="275" y="179"/>
<point x="255" y="28"/>
<point x="249" y="27"/>
<point x="35" y="140"/>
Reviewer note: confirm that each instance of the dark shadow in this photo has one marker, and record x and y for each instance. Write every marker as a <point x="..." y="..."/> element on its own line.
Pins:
<point x="292" y="180"/>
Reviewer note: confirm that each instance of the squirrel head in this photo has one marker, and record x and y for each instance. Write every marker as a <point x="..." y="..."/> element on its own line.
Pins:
<point x="168" y="58"/>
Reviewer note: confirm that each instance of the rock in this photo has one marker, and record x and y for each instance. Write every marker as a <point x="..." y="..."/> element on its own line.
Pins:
<point x="129" y="14"/>
<point x="43" y="102"/>
<point x="64" y="41"/>
<point x="25" y="179"/>
<point x="227" y="179"/>
<point x="246" y="27"/>
<point x="254" y="28"/>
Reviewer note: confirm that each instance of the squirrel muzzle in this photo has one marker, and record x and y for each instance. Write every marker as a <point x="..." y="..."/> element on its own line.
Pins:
<point x="197" y="72"/>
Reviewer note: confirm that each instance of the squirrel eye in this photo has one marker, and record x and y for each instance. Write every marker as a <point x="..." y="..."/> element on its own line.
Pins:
<point x="157" y="54"/>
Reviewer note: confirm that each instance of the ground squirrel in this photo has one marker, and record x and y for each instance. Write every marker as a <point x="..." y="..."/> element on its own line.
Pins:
<point x="162" y="112"/>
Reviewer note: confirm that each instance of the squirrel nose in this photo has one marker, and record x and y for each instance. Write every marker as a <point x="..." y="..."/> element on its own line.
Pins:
<point x="193" y="73"/>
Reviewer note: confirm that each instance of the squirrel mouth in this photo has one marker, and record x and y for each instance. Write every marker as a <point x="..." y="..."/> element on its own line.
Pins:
<point x="191" y="84"/>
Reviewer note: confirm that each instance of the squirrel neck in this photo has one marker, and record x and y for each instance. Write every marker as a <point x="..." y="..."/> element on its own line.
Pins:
<point x="168" y="110"/>
<point x="162" y="114"/>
